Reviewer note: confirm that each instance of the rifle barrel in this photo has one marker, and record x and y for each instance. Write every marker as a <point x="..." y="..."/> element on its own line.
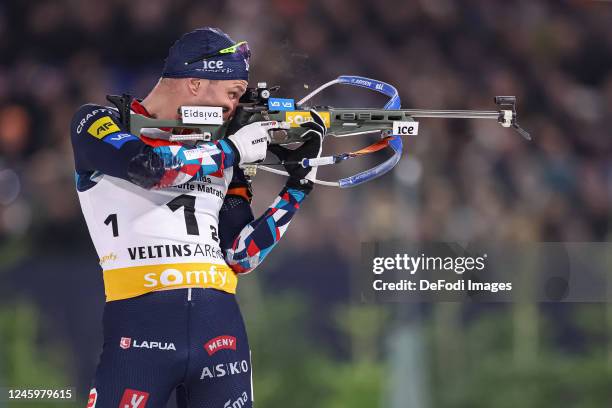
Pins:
<point x="458" y="114"/>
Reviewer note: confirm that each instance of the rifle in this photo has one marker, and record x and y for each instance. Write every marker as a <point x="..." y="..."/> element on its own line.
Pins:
<point x="257" y="104"/>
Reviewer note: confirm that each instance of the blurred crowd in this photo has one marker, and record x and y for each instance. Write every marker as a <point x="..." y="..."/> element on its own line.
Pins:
<point x="459" y="180"/>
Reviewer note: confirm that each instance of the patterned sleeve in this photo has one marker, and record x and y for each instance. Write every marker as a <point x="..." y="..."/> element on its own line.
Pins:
<point x="165" y="166"/>
<point x="257" y="239"/>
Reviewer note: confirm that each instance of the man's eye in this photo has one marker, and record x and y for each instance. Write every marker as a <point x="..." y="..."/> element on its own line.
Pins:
<point x="233" y="95"/>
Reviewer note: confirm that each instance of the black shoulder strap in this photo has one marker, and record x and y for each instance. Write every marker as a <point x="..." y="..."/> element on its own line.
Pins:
<point x="123" y="104"/>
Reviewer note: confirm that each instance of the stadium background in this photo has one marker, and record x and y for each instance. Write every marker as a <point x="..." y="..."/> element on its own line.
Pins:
<point x="314" y="343"/>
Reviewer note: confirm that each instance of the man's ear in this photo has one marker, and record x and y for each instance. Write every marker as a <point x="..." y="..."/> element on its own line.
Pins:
<point x="195" y="85"/>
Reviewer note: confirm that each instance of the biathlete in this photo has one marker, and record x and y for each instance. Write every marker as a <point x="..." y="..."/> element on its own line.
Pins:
<point x="173" y="227"/>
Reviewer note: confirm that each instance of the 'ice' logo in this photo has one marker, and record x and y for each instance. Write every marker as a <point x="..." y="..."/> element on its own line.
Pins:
<point x="214" y="64"/>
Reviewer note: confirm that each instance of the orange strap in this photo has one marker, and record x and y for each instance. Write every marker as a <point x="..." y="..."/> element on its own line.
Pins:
<point x="241" y="191"/>
<point x="381" y="144"/>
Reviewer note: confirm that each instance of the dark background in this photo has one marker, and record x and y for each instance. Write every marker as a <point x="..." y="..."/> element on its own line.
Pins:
<point x="314" y="343"/>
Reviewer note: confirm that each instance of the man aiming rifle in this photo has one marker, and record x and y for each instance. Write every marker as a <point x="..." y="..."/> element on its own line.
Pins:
<point x="173" y="227"/>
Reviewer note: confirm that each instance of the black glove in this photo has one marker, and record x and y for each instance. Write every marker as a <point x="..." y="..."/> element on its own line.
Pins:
<point x="301" y="177"/>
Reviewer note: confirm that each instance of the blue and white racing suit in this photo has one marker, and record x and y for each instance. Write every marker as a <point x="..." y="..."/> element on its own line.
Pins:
<point x="173" y="228"/>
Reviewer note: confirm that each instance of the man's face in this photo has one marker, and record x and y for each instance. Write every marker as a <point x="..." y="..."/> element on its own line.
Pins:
<point x="223" y="93"/>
